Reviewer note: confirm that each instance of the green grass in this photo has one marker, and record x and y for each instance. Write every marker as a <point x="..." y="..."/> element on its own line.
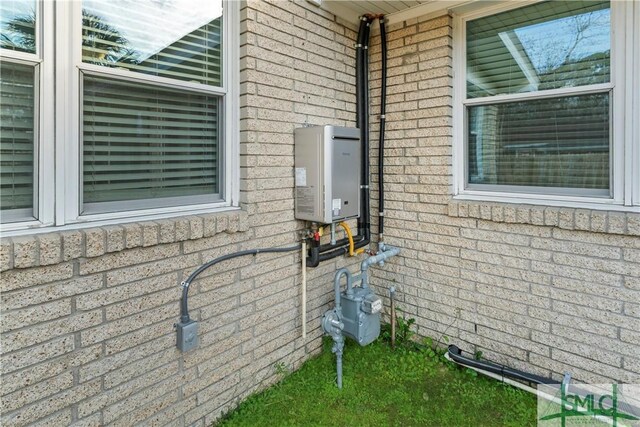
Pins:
<point x="385" y="387"/>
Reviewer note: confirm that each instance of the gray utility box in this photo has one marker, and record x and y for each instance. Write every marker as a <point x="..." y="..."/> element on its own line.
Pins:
<point x="327" y="173"/>
<point x="361" y="315"/>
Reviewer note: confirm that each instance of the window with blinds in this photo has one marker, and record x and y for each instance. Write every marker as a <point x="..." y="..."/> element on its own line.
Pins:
<point x="559" y="143"/>
<point x="153" y="144"/>
<point x="17" y="143"/>
<point x="144" y="142"/>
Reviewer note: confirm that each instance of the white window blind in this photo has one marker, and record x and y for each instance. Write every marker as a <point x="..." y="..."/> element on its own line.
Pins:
<point x="554" y="142"/>
<point x="17" y="100"/>
<point x="144" y="142"/>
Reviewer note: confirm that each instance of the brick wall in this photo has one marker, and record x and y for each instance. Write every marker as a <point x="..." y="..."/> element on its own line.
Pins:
<point x="544" y="289"/>
<point x="87" y="316"/>
<point x="87" y="335"/>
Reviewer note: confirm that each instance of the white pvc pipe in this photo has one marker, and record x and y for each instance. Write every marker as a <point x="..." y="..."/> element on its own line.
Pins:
<point x="304" y="289"/>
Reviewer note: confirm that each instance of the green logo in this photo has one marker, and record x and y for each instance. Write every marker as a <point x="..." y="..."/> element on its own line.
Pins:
<point x="586" y="404"/>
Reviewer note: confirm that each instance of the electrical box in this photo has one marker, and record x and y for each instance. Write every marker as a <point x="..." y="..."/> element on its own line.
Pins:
<point x="327" y="173"/>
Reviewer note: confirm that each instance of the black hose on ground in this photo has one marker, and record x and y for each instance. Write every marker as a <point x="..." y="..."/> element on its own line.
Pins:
<point x="383" y="105"/>
<point x="456" y="355"/>
<point x="184" y="303"/>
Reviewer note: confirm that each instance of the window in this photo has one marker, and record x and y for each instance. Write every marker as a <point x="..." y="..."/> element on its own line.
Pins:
<point x="19" y="99"/>
<point x="541" y="106"/>
<point x="145" y="109"/>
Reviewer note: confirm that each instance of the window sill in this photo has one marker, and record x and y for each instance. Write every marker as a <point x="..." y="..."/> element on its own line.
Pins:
<point x="65" y="245"/>
<point x="592" y="220"/>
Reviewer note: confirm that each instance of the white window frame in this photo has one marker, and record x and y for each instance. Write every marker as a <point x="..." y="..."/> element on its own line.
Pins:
<point x="41" y="61"/>
<point x="625" y="150"/>
<point x="58" y="160"/>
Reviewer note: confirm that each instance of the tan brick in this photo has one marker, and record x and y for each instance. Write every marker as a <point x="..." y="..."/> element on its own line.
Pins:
<point x="551" y="216"/>
<point x="150" y="269"/>
<point x="599" y="221"/>
<point x="50" y="368"/>
<point x="72" y="244"/>
<point x="617" y="223"/>
<point x="95" y="239"/>
<point x="37" y="391"/>
<point x="182" y="229"/>
<point x="537" y="215"/>
<point x="113" y="395"/>
<point x="565" y="218"/>
<point x="124" y="325"/>
<point x="43" y="294"/>
<point x="150" y="233"/>
<point x="19" y="279"/>
<point x="118" y="293"/>
<point x="167" y="231"/>
<point x="510" y="213"/>
<point x="24" y="317"/>
<point x="222" y="223"/>
<point x="42" y="332"/>
<point x="135" y="368"/>
<point x="6" y="254"/>
<point x="25" y="251"/>
<point x="127" y="258"/>
<point x="50" y="249"/>
<point x="36" y="354"/>
<point x="582" y="220"/>
<point x="116" y="361"/>
<point x="29" y="414"/>
<point x="578" y="248"/>
<point x="196" y="227"/>
<point x="209" y="225"/>
<point x="115" y="238"/>
<point x="633" y="224"/>
<point x="133" y="235"/>
<point x="58" y="419"/>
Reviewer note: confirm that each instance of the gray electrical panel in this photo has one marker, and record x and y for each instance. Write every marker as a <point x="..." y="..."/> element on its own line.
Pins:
<point x="327" y="173"/>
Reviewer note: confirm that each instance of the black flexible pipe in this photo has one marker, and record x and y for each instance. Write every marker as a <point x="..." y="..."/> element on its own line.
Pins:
<point x="364" y="132"/>
<point x="184" y="304"/>
<point x="360" y="107"/>
<point x="456" y="354"/>
<point x="383" y="108"/>
<point x="318" y="253"/>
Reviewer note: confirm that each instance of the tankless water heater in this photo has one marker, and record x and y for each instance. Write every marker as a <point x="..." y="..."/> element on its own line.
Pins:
<point x="327" y="173"/>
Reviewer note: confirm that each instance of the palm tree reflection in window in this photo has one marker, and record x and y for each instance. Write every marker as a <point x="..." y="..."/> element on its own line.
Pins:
<point x="102" y="44"/>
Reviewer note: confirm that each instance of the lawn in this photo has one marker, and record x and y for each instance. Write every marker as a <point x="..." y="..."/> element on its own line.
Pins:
<point x="385" y="387"/>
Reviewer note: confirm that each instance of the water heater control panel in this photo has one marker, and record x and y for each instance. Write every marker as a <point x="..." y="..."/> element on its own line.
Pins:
<point x="327" y="173"/>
